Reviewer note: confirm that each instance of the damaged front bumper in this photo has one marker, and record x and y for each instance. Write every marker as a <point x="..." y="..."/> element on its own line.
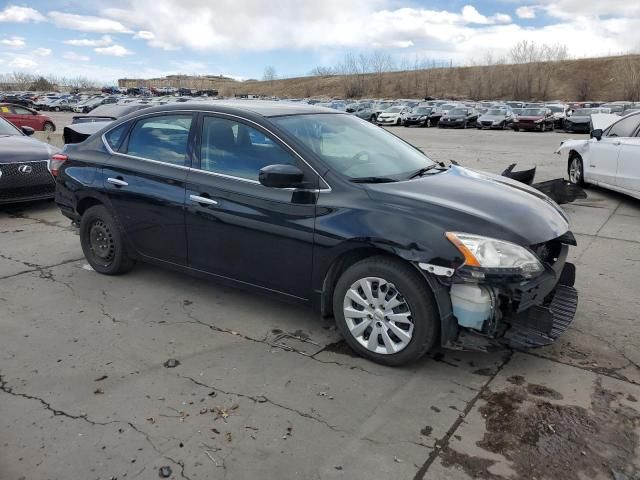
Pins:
<point x="520" y="313"/>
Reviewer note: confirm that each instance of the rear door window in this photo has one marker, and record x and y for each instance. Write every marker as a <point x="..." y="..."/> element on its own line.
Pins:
<point x="163" y="138"/>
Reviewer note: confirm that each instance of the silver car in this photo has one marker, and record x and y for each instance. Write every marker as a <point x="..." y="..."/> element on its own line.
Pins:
<point x="495" y="118"/>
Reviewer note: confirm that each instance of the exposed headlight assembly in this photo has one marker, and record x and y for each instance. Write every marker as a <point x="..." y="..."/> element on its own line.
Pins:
<point x="493" y="256"/>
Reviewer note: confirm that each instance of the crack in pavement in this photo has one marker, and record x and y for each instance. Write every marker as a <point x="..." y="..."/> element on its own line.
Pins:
<point x="282" y="346"/>
<point x="612" y="346"/>
<point x="443" y="442"/>
<point x="48" y="223"/>
<point x="37" y="268"/>
<point x="265" y="399"/>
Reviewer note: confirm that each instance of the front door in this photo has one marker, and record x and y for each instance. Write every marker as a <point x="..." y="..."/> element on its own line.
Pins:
<point x="239" y="229"/>
<point x="145" y="181"/>
<point x="603" y="158"/>
<point x="629" y="165"/>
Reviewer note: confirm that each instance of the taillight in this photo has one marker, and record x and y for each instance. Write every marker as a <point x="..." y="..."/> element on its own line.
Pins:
<point x="55" y="162"/>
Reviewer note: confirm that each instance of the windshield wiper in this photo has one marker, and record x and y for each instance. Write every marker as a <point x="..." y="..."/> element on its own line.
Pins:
<point x="372" y="180"/>
<point x="423" y="170"/>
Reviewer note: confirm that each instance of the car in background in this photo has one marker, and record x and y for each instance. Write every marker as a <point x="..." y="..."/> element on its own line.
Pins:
<point x="406" y="254"/>
<point x="83" y="126"/>
<point x="580" y="120"/>
<point x="423" y="117"/>
<point x="618" y="107"/>
<point x="459" y="117"/>
<point x="366" y="111"/>
<point x="89" y="104"/>
<point x="25" y="117"/>
<point x="62" y="105"/>
<point x="559" y="113"/>
<point x="24" y="175"/>
<point x="18" y="100"/>
<point x="609" y="159"/>
<point x="393" y="116"/>
<point x="43" y="103"/>
<point x="537" y="118"/>
<point x="495" y="118"/>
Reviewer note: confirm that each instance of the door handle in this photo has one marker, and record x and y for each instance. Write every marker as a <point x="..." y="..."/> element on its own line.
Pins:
<point x="118" y="182"/>
<point x="203" y="200"/>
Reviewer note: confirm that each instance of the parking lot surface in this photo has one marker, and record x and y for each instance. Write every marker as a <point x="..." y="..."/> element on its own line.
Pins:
<point x="156" y="373"/>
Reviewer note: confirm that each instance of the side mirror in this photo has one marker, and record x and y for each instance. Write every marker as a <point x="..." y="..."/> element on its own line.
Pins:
<point x="281" y="176"/>
<point x="28" y="131"/>
<point x="597" y="134"/>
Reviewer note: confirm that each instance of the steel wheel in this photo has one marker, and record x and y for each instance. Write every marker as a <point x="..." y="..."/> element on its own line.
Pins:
<point x="575" y="170"/>
<point x="378" y="316"/>
<point x="101" y="241"/>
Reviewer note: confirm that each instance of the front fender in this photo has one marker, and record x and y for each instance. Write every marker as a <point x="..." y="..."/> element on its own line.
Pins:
<point x="568" y="145"/>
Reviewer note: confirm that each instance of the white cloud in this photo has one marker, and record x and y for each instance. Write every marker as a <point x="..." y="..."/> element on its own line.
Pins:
<point x="13" y="42"/>
<point x="75" y="57"/>
<point x="471" y="15"/>
<point x="87" y="23"/>
<point x="526" y="12"/>
<point x="113" y="50"/>
<point x="144" y="35"/>
<point x="104" y="41"/>
<point x="20" y="15"/>
<point x="42" y="52"/>
<point x="23" y="63"/>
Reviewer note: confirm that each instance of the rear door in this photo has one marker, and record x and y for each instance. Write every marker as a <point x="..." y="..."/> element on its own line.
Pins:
<point x="604" y="154"/>
<point x="26" y="117"/>
<point x="7" y="112"/>
<point x="239" y="229"/>
<point x="145" y="182"/>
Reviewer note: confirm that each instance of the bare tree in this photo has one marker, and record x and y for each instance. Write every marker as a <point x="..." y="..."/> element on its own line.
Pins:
<point x="269" y="74"/>
<point x="628" y="74"/>
<point x="321" y="71"/>
<point x="380" y="64"/>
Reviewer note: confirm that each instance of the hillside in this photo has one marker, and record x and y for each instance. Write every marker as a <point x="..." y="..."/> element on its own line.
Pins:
<point x="607" y="78"/>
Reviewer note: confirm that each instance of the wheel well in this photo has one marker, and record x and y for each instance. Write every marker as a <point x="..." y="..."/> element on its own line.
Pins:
<point x="337" y="268"/>
<point x="86" y="203"/>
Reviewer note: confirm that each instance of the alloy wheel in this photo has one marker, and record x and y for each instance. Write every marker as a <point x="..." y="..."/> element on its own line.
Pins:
<point x="378" y="316"/>
<point x="575" y="170"/>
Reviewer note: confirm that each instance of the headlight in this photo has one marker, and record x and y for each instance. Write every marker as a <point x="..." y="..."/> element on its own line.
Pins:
<point x="539" y="121"/>
<point x="495" y="256"/>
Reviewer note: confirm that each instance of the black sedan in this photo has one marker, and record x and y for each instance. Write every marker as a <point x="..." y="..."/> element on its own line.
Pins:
<point x="460" y="117"/>
<point x="319" y="207"/>
<point x="23" y="165"/>
<point x="422" y="117"/>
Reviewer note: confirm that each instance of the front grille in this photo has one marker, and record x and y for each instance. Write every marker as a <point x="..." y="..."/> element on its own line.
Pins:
<point x="16" y="185"/>
<point x="487" y="124"/>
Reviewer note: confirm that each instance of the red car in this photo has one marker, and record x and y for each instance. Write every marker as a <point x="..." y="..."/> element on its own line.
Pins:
<point x="540" y="119"/>
<point x="25" y="117"/>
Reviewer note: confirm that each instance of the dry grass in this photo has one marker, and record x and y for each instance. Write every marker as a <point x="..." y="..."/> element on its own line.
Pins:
<point x="591" y="78"/>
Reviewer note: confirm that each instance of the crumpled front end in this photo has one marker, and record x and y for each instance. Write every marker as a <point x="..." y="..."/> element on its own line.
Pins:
<point x="494" y="312"/>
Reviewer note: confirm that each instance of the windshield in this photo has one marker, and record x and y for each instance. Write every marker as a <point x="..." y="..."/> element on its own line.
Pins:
<point x="533" y="112"/>
<point x="353" y="147"/>
<point x="555" y="109"/>
<point x="423" y="110"/>
<point x="582" y="112"/>
<point x="458" y="111"/>
<point x="496" y="111"/>
<point x="8" y="129"/>
<point x="393" y="110"/>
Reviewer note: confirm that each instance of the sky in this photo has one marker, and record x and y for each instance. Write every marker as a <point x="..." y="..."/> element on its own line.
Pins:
<point x="105" y="41"/>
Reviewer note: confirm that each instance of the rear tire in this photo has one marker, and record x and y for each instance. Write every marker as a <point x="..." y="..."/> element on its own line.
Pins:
<point x="102" y="242"/>
<point x="49" y="127"/>
<point x="404" y="316"/>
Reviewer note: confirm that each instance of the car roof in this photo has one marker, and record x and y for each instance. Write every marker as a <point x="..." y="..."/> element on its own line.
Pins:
<point x="263" y="108"/>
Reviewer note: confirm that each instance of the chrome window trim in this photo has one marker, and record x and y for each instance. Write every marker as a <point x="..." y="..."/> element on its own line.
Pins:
<point x="230" y="177"/>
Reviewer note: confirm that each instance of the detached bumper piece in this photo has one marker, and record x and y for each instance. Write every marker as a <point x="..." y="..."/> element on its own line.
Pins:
<point x="540" y="326"/>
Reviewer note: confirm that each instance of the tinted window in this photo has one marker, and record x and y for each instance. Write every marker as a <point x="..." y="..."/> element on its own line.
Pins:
<point x="235" y="149"/>
<point x="625" y="127"/>
<point x="163" y="138"/>
<point x="21" y="111"/>
<point x="114" y="137"/>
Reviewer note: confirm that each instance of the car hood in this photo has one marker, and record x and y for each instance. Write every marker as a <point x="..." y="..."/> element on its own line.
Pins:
<point x="492" y="118"/>
<point x="530" y="117"/>
<point x="465" y="200"/>
<point x="579" y="119"/>
<point x="388" y="115"/>
<point x="19" y="148"/>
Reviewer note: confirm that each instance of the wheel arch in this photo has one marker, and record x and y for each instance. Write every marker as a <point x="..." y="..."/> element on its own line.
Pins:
<point x="448" y="324"/>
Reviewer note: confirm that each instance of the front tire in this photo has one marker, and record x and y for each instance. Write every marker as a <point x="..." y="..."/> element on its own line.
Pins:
<point x="575" y="170"/>
<point x="386" y="311"/>
<point x="49" y="127"/>
<point x="102" y="243"/>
